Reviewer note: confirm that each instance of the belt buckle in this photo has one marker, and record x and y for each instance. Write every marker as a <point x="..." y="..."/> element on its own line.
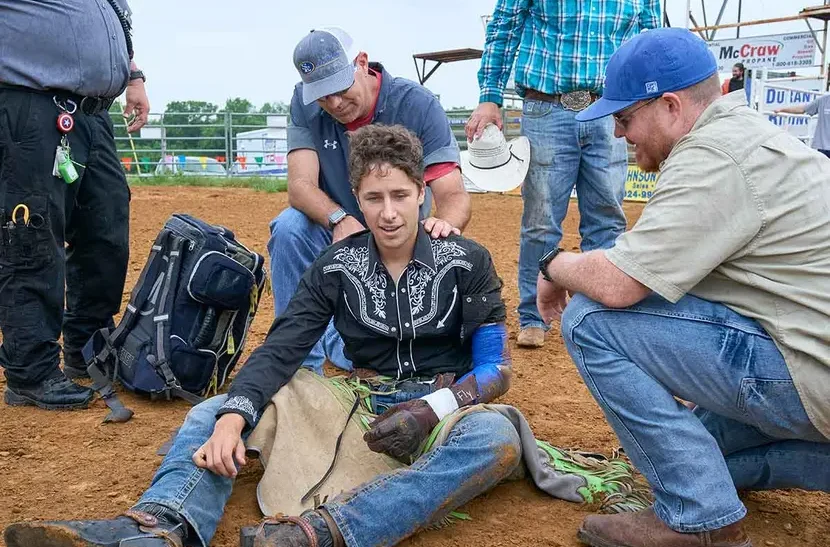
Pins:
<point x="576" y="100"/>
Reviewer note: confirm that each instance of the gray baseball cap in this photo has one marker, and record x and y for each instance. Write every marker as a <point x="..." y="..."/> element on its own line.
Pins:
<point x="325" y="60"/>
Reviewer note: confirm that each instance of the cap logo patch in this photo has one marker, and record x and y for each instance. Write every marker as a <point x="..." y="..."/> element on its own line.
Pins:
<point x="651" y="87"/>
<point x="306" y="67"/>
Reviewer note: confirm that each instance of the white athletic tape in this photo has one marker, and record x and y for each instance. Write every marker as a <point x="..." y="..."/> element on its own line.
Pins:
<point x="442" y="402"/>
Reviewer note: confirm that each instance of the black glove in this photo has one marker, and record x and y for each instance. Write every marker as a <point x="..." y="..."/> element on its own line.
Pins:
<point x="401" y="430"/>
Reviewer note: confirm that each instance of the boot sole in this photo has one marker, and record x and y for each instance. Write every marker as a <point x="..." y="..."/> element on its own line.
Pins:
<point x="595" y="541"/>
<point x="33" y="535"/>
<point x="14" y="399"/>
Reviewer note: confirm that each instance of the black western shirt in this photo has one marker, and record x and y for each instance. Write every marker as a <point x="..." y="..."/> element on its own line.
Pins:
<point x="418" y="327"/>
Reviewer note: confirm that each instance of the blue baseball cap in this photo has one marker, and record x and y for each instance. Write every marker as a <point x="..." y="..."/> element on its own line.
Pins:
<point x="325" y="60"/>
<point x="650" y="64"/>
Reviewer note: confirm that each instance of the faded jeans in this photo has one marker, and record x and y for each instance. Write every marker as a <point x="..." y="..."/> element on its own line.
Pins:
<point x="482" y="449"/>
<point x="749" y="430"/>
<point x="566" y="154"/>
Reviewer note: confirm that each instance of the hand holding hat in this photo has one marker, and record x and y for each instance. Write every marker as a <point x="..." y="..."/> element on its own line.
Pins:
<point x="493" y="164"/>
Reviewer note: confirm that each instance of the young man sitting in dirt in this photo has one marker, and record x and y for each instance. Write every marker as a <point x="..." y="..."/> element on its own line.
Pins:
<point x="719" y="295"/>
<point x="425" y="318"/>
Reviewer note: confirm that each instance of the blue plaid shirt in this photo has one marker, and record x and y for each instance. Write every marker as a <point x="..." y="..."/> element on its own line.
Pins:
<point x="563" y="45"/>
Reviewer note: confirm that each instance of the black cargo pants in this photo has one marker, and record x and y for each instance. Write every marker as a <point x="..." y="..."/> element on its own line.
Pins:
<point x="76" y="241"/>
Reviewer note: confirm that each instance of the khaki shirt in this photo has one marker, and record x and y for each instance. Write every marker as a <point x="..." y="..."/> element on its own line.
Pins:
<point x="741" y="215"/>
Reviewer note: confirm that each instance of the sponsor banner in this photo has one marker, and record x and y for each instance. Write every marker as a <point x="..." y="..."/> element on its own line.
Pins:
<point x="778" y="51"/>
<point x="774" y="98"/>
<point x="639" y="185"/>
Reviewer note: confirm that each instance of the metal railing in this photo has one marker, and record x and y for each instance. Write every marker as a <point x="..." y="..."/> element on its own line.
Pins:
<point x="210" y="142"/>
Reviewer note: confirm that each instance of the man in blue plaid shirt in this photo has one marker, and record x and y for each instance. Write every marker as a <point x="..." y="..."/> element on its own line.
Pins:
<point x="560" y="48"/>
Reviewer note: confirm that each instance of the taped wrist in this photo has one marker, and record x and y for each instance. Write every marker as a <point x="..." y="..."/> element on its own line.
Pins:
<point x="442" y="402"/>
<point x="447" y="400"/>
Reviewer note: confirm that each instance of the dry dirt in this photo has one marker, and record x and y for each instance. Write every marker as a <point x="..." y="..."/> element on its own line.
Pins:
<point x="70" y="466"/>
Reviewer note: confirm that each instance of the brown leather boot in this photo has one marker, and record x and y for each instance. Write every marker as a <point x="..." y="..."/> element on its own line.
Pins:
<point x="531" y="337"/>
<point x="645" y="529"/>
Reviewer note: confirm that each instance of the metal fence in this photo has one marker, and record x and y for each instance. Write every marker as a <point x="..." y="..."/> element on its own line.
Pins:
<point x="229" y="143"/>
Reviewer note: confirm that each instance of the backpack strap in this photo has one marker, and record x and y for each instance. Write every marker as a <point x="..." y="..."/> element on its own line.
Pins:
<point x="161" y="359"/>
<point x="102" y="346"/>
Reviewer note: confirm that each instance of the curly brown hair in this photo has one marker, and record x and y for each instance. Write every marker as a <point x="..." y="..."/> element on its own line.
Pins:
<point x="379" y="147"/>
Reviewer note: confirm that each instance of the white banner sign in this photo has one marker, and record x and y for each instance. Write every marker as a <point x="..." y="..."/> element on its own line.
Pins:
<point x="774" y="98"/>
<point x="777" y="51"/>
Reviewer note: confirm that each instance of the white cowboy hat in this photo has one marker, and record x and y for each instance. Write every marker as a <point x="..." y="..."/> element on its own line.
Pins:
<point x="493" y="164"/>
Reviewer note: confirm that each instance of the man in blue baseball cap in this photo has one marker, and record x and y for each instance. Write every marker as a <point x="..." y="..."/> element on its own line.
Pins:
<point x="341" y="91"/>
<point x="719" y="295"/>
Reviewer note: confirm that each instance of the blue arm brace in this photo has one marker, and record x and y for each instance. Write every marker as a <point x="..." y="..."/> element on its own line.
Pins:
<point x="492" y="367"/>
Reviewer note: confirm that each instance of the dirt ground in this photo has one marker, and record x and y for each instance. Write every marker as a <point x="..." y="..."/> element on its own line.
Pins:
<point x="71" y="466"/>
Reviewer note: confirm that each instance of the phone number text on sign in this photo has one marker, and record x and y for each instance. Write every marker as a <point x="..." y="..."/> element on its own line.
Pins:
<point x="639" y="185"/>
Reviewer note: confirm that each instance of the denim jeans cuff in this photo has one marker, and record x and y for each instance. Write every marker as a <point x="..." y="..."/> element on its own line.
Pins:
<point x="181" y="511"/>
<point x="533" y="324"/>
<point x="348" y="536"/>
<point x="707" y="526"/>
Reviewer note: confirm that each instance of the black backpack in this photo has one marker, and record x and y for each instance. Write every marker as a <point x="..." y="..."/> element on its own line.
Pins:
<point x="185" y="326"/>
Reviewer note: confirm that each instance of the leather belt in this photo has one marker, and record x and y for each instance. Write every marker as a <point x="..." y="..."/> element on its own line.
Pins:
<point x="573" y="100"/>
<point x="88" y="105"/>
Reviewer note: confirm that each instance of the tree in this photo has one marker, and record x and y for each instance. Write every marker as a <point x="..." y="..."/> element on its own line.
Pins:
<point x="194" y="126"/>
<point x="278" y="107"/>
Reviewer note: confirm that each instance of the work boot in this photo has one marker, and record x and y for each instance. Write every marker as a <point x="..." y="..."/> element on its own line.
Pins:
<point x="312" y="529"/>
<point x="57" y="393"/>
<point x="645" y="529"/>
<point x="531" y="337"/>
<point x="133" y="529"/>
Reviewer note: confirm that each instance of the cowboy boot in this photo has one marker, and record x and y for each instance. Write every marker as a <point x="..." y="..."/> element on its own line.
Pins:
<point x="133" y="529"/>
<point x="312" y="529"/>
<point x="645" y="529"/>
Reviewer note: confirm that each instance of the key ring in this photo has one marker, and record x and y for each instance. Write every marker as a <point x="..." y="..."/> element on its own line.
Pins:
<point x="62" y="105"/>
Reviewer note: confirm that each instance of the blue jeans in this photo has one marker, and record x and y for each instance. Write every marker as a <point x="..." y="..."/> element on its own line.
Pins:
<point x="481" y="450"/>
<point x="566" y="154"/>
<point x="749" y="430"/>
<point x="296" y="241"/>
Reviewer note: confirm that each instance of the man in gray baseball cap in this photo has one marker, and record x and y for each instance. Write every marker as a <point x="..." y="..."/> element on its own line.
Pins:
<point x="324" y="59"/>
<point x="341" y="91"/>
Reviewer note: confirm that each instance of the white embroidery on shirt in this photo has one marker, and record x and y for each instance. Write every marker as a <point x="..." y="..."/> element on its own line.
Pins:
<point x="242" y="404"/>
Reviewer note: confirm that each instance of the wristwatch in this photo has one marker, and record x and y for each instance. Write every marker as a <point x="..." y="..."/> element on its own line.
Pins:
<point x="137" y="75"/>
<point x="336" y="217"/>
<point x="545" y="261"/>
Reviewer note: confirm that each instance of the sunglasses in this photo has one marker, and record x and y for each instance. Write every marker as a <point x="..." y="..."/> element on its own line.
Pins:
<point x="624" y="118"/>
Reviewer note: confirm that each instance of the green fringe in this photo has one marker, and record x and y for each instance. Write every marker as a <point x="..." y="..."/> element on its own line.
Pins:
<point x="610" y="482"/>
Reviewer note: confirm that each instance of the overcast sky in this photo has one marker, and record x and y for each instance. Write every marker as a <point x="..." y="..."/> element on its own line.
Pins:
<point x="215" y="49"/>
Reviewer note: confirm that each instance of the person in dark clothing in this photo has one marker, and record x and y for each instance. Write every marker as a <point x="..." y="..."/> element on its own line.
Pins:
<point x="64" y="199"/>
<point x="736" y="82"/>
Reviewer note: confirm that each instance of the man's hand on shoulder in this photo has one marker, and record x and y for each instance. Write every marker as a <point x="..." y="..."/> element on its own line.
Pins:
<point x="438" y="228"/>
<point x="346" y="227"/>
<point x="483" y="114"/>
